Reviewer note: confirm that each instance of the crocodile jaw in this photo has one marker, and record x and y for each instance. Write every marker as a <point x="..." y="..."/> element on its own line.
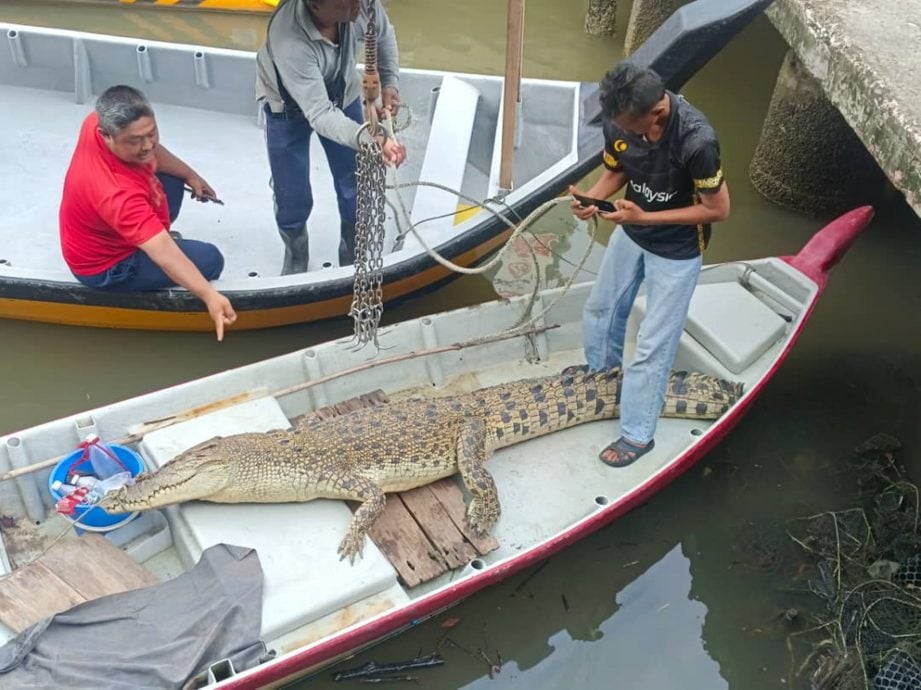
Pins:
<point x="176" y="482"/>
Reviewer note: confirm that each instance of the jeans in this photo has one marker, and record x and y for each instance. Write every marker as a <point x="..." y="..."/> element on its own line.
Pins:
<point x="140" y="273"/>
<point x="669" y="286"/>
<point x="288" y="141"/>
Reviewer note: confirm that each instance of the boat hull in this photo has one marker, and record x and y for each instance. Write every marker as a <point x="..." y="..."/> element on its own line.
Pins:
<point x="814" y="263"/>
<point x="42" y="69"/>
<point x="250" y="6"/>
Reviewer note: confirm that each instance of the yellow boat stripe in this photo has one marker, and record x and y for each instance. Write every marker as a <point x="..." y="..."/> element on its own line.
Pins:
<point x="150" y="319"/>
<point x="241" y="5"/>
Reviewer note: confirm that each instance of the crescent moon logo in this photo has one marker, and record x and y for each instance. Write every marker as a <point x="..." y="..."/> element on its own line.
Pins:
<point x="620" y="145"/>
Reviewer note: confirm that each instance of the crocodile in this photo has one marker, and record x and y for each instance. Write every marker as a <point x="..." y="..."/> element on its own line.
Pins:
<point x="364" y="454"/>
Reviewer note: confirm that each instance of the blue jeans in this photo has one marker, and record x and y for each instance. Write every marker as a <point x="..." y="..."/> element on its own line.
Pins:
<point x="140" y="273"/>
<point x="288" y="141"/>
<point x="669" y="286"/>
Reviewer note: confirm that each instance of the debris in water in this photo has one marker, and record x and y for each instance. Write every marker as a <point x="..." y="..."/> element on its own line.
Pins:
<point x="371" y="669"/>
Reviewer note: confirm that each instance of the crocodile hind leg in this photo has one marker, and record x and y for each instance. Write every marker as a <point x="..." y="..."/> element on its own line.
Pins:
<point x="372" y="505"/>
<point x="483" y="510"/>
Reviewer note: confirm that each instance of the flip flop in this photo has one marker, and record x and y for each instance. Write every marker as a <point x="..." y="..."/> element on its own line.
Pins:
<point x="624" y="453"/>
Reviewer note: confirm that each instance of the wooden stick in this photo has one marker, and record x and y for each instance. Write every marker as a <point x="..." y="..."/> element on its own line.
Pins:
<point x="511" y="90"/>
<point x="260" y="393"/>
<point x="412" y="355"/>
<point x="151" y="426"/>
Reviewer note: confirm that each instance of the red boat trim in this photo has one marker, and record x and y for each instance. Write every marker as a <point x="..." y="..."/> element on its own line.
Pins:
<point x="829" y="244"/>
<point x="814" y="261"/>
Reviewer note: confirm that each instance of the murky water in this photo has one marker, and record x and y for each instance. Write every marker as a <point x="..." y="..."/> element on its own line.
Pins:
<point x="674" y="595"/>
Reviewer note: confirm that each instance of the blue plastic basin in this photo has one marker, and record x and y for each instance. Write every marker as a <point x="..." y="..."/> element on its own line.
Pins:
<point x="93" y="518"/>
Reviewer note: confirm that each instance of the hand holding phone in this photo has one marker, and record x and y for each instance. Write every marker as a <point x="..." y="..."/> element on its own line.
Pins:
<point x="600" y="204"/>
<point x="212" y="199"/>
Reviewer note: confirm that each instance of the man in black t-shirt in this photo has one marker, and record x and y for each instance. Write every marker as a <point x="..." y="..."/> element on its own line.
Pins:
<point x="667" y="156"/>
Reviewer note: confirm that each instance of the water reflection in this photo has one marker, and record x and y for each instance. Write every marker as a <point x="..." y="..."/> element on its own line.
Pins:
<point x="620" y="643"/>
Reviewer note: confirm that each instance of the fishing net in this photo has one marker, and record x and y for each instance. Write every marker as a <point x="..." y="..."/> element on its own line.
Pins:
<point x="900" y="672"/>
<point x="865" y="568"/>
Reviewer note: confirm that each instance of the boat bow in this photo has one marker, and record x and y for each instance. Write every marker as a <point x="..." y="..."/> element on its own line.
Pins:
<point x="829" y="244"/>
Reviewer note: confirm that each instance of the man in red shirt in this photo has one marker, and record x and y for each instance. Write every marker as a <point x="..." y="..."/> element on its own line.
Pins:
<point x="122" y="191"/>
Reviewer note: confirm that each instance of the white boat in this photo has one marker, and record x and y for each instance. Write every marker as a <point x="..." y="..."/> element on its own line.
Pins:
<point x="250" y="6"/>
<point x="204" y="102"/>
<point x="205" y="106"/>
<point x="744" y="319"/>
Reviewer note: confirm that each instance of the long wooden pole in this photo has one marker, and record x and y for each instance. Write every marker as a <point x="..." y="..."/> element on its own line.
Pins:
<point x="511" y="91"/>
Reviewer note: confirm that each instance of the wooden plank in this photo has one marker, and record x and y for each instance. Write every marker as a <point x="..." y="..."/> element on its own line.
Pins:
<point x="441" y="531"/>
<point x="451" y="498"/>
<point x="95" y="567"/>
<point x="372" y="399"/>
<point x="404" y="544"/>
<point x="32" y="593"/>
<point x="422" y="532"/>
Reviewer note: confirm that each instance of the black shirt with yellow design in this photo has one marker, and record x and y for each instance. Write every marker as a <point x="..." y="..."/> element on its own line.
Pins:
<point x="670" y="173"/>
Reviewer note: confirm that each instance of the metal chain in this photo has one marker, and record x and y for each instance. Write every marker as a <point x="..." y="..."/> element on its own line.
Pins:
<point x="371" y="38"/>
<point x="367" y="295"/>
<point x="368" y="298"/>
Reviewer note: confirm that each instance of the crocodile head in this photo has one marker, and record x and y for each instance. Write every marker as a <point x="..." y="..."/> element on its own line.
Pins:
<point x="199" y="472"/>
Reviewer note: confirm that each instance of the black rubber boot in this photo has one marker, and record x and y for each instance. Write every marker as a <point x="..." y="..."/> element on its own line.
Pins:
<point x="297" y="251"/>
<point x="347" y="244"/>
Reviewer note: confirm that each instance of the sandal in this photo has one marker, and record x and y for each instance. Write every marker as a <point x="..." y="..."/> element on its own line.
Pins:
<point x="622" y="452"/>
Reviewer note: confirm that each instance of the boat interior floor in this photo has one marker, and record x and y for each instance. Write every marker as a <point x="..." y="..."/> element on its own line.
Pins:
<point x="38" y="139"/>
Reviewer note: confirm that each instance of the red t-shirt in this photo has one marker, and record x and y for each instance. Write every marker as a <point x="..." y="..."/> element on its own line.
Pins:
<point x="109" y="207"/>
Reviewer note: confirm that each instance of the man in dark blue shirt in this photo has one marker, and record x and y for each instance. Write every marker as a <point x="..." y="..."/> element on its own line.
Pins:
<point x="666" y="154"/>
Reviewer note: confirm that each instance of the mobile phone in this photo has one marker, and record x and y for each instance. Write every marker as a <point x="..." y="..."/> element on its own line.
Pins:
<point x="212" y="199"/>
<point x="600" y="204"/>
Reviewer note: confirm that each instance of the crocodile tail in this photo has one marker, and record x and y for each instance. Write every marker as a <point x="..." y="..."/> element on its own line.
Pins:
<point x="693" y="395"/>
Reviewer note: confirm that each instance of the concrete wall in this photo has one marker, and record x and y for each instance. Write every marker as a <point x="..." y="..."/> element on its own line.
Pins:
<point x="866" y="55"/>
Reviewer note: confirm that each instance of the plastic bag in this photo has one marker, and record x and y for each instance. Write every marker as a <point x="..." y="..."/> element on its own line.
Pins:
<point x="102" y="458"/>
<point x="104" y="486"/>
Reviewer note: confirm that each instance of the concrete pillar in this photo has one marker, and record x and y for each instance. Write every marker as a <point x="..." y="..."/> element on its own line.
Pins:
<point x="808" y="158"/>
<point x="645" y="17"/>
<point x="601" y="19"/>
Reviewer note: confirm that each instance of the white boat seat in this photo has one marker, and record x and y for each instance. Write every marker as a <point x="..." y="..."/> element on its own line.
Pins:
<point x="733" y="325"/>
<point x="296" y="542"/>
<point x="445" y="160"/>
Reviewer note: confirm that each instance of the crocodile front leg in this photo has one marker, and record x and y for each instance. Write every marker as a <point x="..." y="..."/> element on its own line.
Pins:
<point x="483" y="510"/>
<point x="372" y="505"/>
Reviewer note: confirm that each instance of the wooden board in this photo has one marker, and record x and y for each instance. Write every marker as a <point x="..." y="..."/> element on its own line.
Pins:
<point x="94" y="567"/>
<point x="422" y="532"/>
<point x="449" y="494"/>
<point x="73" y="571"/>
<point x="403" y="542"/>
<point x="372" y="399"/>
<point x="440" y="530"/>
<point x="32" y="593"/>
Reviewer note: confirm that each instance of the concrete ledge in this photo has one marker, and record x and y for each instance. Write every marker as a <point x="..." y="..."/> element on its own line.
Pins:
<point x="866" y="54"/>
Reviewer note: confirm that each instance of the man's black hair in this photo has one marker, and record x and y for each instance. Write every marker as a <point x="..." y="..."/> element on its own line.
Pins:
<point x="629" y="89"/>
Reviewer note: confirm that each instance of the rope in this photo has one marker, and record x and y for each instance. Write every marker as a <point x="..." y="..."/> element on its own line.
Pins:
<point x="517" y="231"/>
<point x="367" y="310"/>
